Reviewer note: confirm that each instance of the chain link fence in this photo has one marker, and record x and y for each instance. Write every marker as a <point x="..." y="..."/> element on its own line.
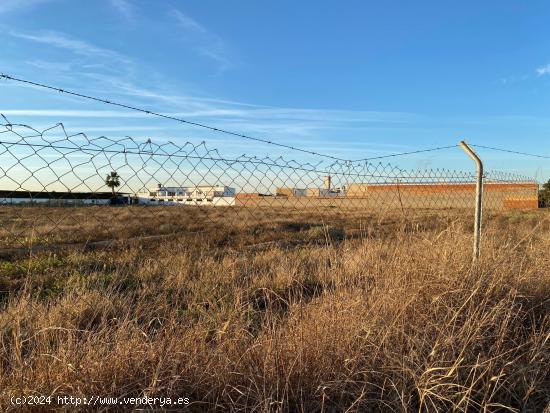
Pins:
<point x="57" y="187"/>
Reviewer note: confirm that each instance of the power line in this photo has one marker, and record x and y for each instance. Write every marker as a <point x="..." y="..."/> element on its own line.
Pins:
<point x="408" y="153"/>
<point x="512" y="151"/>
<point x="149" y="112"/>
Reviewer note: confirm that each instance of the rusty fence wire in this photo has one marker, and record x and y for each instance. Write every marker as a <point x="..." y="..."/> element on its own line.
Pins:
<point x="62" y="187"/>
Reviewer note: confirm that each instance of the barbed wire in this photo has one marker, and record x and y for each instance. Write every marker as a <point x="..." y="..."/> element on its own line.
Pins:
<point x="165" y="116"/>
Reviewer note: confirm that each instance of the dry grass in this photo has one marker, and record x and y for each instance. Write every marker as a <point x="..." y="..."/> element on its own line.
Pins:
<point x="376" y="313"/>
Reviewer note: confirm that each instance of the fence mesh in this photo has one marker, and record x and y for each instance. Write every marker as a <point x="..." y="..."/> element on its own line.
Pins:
<point x="171" y="188"/>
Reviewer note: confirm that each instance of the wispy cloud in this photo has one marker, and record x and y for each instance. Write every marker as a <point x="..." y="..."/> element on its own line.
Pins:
<point x="513" y="79"/>
<point x="264" y="116"/>
<point x="273" y="122"/>
<point x="212" y="108"/>
<point x="188" y="23"/>
<point x="203" y="41"/>
<point x="50" y="66"/>
<point x="79" y="47"/>
<point x="68" y="113"/>
<point x="125" y="9"/>
<point x="543" y="70"/>
<point x="8" y="6"/>
<point x="300" y="126"/>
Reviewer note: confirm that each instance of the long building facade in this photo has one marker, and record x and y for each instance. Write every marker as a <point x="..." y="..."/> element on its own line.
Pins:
<point x="192" y="195"/>
<point x="498" y="196"/>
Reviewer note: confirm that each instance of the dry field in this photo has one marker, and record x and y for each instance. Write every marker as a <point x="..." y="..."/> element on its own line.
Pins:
<point x="279" y="311"/>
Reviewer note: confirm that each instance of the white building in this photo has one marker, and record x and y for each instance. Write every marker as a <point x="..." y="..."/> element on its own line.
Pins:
<point x="193" y="195"/>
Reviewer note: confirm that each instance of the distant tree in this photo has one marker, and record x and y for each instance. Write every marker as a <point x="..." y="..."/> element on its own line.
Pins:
<point x="113" y="181"/>
<point x="544" y="195"/>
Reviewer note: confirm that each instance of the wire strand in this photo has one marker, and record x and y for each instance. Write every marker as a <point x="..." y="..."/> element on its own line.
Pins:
<point x="408" y="153"/>
<point x="511" y="151"/>
<point x="153" y="113"/>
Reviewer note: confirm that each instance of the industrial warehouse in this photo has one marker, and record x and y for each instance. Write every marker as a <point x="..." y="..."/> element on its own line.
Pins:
<point x="433" y="195"/>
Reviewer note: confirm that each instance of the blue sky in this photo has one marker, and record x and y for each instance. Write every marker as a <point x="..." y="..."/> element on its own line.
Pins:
<point x="353" y="79"/>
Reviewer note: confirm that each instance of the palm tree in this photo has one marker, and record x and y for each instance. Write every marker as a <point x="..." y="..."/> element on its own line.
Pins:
<point x="112" y="181"/>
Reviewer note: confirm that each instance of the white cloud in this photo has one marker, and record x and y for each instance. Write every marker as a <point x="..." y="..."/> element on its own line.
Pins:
<point x="543" y="70"/>
<point x="51" y="66"/>
<point x="203" y="41"/>
<point x="67" y="113"/>
<point x="195" y="106"/>
<point x="62" y="41"/>
<point x="188" y="23"/>
<point x="316" y="117"/>
<point x="124" y="8"/>
<point x="7" y="6"/>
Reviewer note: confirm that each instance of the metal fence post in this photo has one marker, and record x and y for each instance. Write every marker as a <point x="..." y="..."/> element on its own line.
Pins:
<point x="479" y="196"/>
